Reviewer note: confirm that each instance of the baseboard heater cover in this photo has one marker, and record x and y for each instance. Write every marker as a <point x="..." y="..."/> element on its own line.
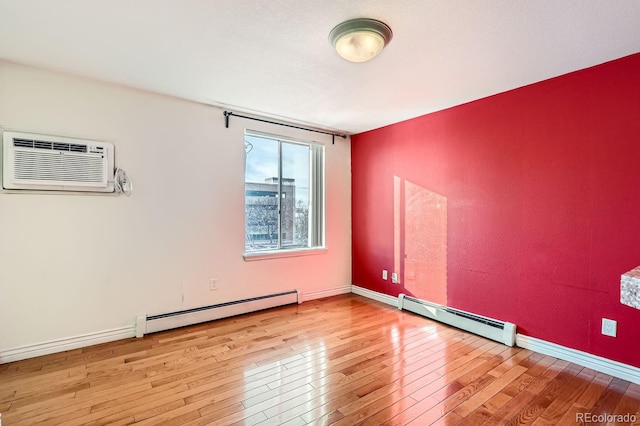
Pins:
<point x="500" y="331"/>
<point x="146" y="324"/>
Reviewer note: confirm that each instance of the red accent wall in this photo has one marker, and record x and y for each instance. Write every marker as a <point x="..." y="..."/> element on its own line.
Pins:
<point x="542" y="190"/>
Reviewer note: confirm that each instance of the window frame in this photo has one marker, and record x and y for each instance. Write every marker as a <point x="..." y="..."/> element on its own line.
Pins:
<point x="316" y="243"/>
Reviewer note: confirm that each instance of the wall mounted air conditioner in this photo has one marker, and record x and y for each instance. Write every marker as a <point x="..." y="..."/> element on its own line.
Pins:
<point x="39" y="162"/>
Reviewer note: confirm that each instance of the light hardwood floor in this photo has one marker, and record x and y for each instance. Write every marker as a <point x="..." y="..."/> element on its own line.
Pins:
<point x="343" y="360"/>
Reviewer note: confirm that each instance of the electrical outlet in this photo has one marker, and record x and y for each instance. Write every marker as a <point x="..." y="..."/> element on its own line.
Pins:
<point x="213" y="284"/>
<point x="609" y="327"/>
<point x="394" y="278"/>
<point x="384" y="274"/>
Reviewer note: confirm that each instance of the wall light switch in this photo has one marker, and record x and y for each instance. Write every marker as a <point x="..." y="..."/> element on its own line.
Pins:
<point x="384" y="274"/>
<point x="394" y="278"/>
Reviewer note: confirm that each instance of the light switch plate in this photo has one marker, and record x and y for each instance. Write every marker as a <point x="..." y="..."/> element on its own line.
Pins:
<point x="609" y="327"/>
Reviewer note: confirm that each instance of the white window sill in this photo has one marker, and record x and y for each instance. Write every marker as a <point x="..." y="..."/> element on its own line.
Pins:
<point x="277" y="254"/>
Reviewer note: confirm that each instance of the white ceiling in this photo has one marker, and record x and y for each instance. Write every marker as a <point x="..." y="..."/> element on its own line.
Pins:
<point x="273" y="57"/>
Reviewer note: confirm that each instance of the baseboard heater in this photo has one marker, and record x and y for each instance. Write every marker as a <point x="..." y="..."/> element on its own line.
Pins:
<point x="503" y="332"/>
<point x="146" y="324"/>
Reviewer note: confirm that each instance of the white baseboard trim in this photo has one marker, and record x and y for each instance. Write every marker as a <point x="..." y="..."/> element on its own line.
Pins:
<point x="380" y="297"/>
<point x="60" y="345"/>
<point x="594" y="362"/>
<point x="325" y="293"/>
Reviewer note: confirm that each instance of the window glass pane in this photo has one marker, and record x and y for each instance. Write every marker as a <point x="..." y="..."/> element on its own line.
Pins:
<point x="284" y="193"/>
<point x="294" y="225"/>
<point x="261" y="193"/>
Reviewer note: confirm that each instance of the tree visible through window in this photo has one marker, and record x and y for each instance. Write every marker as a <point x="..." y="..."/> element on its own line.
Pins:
<point x="284" y="193"/>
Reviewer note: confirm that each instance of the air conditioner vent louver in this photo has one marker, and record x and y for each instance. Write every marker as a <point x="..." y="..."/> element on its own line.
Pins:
<point x="57" y="146"/>
<point x="23" y="143"/>
<point x="51" y="166"/>
<point x="54" y="163"/>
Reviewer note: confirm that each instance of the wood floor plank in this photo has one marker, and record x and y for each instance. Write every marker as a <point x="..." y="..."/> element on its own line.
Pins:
<point x="565" y="399"/>
<point x="442" y="403"/>
<point x="611" y="396"/>
<point x="630" y="402"/>
<point x="490" y="390"/>
<point x="343" y="360"/>
<point x="389" y="412"/>
<point x="553" y="389"/>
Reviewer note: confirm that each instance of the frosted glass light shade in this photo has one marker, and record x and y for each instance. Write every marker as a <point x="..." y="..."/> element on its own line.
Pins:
<point x="360" y="40"/>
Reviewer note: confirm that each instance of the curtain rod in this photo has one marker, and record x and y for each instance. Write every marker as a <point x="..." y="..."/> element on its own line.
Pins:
<point x="228" y="114"/>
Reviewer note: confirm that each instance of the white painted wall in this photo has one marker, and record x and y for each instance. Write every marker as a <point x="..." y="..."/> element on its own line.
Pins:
<point x="78" y="264"/>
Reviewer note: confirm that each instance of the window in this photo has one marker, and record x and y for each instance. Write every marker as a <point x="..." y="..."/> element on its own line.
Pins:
<point x="284" y="193"/>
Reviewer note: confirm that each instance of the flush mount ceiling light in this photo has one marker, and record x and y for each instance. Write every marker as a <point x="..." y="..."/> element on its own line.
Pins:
<point x="361" y="39"/>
